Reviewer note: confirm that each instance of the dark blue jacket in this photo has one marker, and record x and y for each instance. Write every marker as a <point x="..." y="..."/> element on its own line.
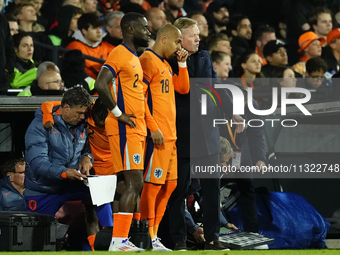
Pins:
<point x="207" y="141"/>
<point x="10" y="198"/>
<point x="50" y="153"/>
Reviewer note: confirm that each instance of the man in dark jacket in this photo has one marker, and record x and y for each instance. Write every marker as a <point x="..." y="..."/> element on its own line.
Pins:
<point x="57" y="161"/>
<point x="7" y="54"/>
<point x="205" y="150"/>
<point x="12" y="185"/>
<point x="241" y="32"/>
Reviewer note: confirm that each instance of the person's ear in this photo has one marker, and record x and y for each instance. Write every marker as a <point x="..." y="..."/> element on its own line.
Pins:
<point x="244" y="66"/>
<point x="258" y="44"/>
<point x="269" y="59"/>
<point x="84" y="32"/>
<point x="164" y="39"/>
<point x="234" y="32"/>
<point x="215" y="65"/>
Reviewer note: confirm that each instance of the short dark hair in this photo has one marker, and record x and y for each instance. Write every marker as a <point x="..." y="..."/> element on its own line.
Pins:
<point x="10" y="165"/>
<point x="313" y="17"/>
<point x="99" y="110"/>
<point x="88" y="19"/>
<point x="261" y="30"/>
<point x="76" y="96"/>
<point x="73" y="61"/>
<point x="18" y="37"/>
<point x="217" y="56"/>
<point x="128" y="20"/>
<point x="316" y="64"/>
<point x="236" y="20"/>
<point x="213" y="39"/>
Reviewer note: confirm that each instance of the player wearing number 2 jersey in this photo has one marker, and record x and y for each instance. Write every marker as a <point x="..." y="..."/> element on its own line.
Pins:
<point x="160" y="177"/>
<point x="119" y="85"/>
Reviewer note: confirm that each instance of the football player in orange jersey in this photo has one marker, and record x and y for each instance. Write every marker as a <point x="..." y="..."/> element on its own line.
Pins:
<point x="160" y="83"/>
<point x="119" y="84"/>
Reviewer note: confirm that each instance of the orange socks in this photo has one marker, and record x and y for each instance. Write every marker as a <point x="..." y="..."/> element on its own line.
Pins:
<point x="161" y="202"/>
<point x="91" y="239"/>
<point x="147" y="204"/>
<point x="121" y="226"/>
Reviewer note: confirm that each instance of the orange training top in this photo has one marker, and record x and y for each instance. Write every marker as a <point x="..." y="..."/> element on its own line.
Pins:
<point x="102" y="51"/>
<point x="126" y="90"/>
<point x="159" y="85"/>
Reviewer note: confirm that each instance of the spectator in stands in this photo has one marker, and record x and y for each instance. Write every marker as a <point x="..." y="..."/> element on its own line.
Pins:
<point x="89" y="6"/>
<point x="310" y="46"/>
<point x="25" y="71"/>
<point x="37" y="6"/>
<point x="11" y="4"/>
<point x="112" y="26"/>
<point x="202" y="24"/>
<point x="315" y="79"/>
<point x="283" y="76"/>
<point x="76" y="3"/>
<point x="219" y="42"/>
<point x="13" y="23"/>
<point x="331" y="53"/>
<point x="57" y="162"/>
<point x="67" y="19"/>
<point x="89" y="41"/>
<point x="221" y="15"/>
<point x="145" y="4"/>
<point x="263" y="35"/>
<point x="12" y="185"/>
<point x="222" y="64"/>
<point x="42" y="68"/>
<point x="156" y="19"/>
<point x="320" y="21"/>
<point x="248" y="67"/>
<point x="27" y="17"/>
<point x="73" y="71"/>
<point x="241" y="31"/>
<point x="49" y="83"/>
<point x="275" y="54"/>
<point x="173" y="8"/>
<point x="7" y="55"/>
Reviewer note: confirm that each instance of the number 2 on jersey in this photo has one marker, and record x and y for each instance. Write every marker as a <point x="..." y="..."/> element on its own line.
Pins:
<point x="137" y="77"/>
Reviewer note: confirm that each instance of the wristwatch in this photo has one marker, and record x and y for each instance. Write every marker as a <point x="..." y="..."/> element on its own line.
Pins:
<point x="89" y="156"/>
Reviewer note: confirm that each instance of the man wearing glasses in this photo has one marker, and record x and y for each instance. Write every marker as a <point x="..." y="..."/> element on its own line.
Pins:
<point x="49" y="83"/>
<point x="12" y="185"/>
<point x="316" y="82"/>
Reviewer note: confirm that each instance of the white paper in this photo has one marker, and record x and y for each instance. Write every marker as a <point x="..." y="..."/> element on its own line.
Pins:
<point x="102" y="188"/>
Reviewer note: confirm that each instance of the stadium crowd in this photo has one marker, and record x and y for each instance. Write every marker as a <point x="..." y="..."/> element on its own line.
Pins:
<point x="143" y="54"/>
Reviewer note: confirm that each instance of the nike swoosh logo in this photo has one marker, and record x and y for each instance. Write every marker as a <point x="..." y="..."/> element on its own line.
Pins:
<point x="163" y="72"/>
<point x="55" y="132"/>
<point x="7" y="193"/>
<point x="134" y="66"/>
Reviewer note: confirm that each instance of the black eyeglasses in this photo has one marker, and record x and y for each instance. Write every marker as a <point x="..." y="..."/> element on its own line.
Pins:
<point x="317" y="78"/>
<point x="59" y="82"/>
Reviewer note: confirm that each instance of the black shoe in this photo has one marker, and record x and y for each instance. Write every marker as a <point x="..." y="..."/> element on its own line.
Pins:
<point x="180" y="246"/>
<point x="216" y="245"/>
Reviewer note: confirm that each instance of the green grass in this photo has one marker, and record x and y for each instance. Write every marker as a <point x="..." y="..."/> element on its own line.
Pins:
<point x="234" y="252"/>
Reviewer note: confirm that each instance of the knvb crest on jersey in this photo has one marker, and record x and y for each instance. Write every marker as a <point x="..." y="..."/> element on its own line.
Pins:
<point x="137" y="158"/>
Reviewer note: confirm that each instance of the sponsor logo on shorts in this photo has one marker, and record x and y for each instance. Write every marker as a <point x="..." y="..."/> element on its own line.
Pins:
<point x="158" y="173"/>
<point x="137" y="158"/>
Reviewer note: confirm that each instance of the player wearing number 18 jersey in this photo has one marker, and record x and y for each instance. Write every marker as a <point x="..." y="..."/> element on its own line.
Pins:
<point x="160" y="177"/>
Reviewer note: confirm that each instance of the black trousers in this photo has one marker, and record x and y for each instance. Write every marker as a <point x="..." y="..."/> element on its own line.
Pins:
<point x="211" y="201"/>
<point x="248" y="204"/>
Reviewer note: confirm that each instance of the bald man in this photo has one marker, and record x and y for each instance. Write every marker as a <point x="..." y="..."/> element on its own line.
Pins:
<point x="156" y="19"/>
<point x="160" y="177"/>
